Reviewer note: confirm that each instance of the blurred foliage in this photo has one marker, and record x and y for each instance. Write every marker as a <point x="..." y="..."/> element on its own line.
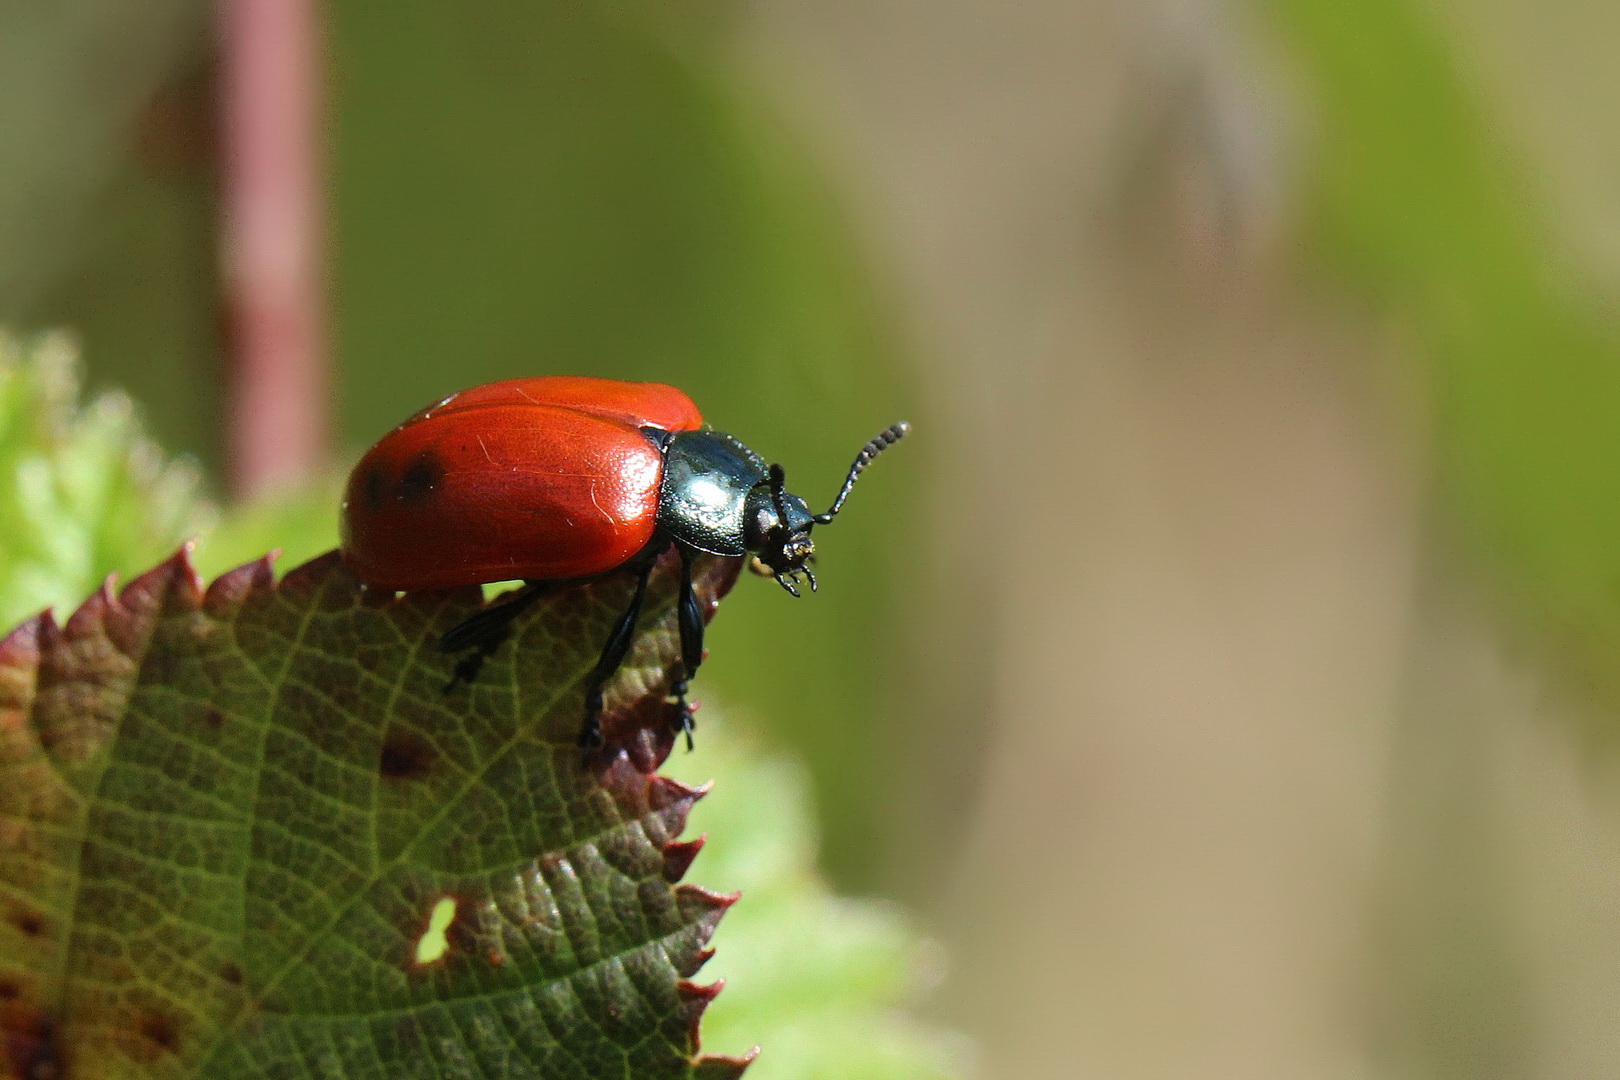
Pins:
<point x="83" y="493"/>
<point x="815" y="979"/>
<point x="1417" y="196"/>
<point x="132" y="271"/>
<point x="74" y="75"/>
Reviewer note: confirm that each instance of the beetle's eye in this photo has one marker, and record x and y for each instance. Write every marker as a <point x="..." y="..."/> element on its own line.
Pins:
<point x="757" y="523"/>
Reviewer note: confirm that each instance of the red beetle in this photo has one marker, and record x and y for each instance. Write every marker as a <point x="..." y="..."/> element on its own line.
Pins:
<point x="565" y="477"/>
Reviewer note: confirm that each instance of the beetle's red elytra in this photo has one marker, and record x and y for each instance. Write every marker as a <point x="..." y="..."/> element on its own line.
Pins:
<point x="563" y="477"/>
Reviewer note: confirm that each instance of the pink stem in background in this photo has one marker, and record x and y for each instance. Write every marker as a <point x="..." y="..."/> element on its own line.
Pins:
<point x="272" y="224"/>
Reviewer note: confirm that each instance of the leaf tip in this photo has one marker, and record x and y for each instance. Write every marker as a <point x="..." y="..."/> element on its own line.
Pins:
<point x="678" y="856"/>
<point x="722" y="1066"/>
<point x="702" y="993"/>
<point x="310" y="575"/>
<point x="94" y="610"/>
<point x="711" y="1066"/>
<point x="675" y="791"/>
<point x="716" y="903"/>
<point x="174" y="577"/>
<point x="19" y="650"/>
<point x="228" y="590"/>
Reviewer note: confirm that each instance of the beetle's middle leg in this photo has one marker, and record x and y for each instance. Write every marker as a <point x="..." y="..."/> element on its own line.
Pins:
<point x="613" y="654"/>
<point x="481" y="634"/>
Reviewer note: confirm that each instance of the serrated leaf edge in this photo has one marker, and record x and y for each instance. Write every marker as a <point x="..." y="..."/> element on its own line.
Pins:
<point x="176" y="581"/>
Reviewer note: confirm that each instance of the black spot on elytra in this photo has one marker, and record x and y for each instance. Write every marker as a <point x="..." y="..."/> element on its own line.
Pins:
<point x="421" y="479"/>
<point x="374" y="488"/>
<point x="404" y="757"/>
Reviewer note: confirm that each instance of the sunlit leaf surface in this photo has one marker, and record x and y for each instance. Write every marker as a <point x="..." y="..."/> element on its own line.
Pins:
<point x="245" y="832"/>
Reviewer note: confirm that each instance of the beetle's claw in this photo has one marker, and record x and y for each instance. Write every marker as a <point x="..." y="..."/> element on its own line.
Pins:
<point x="684" y="715"/>
<point x="590" y="738"/>
<point x="466" y="670"/>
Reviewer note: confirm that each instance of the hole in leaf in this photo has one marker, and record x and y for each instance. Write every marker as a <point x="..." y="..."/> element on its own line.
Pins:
<point x="434" y="943"/>
<point x="497" y="589"/>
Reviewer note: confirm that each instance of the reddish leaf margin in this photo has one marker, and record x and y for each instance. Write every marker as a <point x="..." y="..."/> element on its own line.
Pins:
<point x="116" y="959"/>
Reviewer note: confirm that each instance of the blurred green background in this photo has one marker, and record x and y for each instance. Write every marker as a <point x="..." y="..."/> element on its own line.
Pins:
<point x="1229" y="667"/>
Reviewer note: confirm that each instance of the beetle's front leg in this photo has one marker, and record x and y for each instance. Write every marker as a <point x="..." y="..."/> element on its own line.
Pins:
<point x="689" y="616"/>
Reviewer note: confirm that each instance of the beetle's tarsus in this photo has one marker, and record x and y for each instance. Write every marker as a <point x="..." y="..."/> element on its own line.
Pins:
<point x="590" y="737"/>
<point x="685" y="714"/>
<point x="466" y="671"/>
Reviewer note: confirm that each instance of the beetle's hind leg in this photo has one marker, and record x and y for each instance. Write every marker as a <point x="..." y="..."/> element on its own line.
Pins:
<point x="482" y="634"/>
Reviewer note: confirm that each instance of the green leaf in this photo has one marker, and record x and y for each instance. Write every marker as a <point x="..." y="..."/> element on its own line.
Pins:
<point x="229" y="817"/>
<point x="83" y="494"/>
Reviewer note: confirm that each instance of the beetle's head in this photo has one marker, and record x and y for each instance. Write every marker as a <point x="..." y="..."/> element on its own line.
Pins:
<point x="778" y="523"/>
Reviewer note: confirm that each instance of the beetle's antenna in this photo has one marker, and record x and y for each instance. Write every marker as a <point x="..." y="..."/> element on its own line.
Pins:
<point x="880" y="442"/>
